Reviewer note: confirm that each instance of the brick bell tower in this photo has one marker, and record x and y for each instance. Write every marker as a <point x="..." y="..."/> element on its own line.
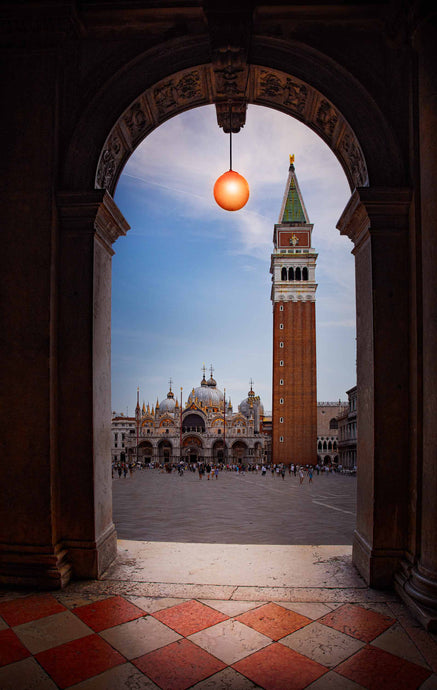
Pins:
<point x="293" y="296"/>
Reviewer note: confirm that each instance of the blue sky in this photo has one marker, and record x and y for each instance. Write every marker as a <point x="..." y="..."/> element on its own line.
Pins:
<point x="191" y="282"/>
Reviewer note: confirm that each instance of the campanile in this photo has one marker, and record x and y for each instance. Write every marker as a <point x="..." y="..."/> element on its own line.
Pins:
<point x="293" y="296"/>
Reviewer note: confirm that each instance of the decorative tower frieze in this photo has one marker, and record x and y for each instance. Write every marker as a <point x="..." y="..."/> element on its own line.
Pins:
<point x="293" y="296"/>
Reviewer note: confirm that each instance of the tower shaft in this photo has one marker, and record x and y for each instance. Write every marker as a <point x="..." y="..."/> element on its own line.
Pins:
<point x="294" y="403"/>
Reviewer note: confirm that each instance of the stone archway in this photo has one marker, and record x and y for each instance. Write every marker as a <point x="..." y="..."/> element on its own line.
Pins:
<point x="192" y="448"/>
<point x="145" y="452"/>
<point x="79" y="83"/>
<point x="239" y="451"/>
<point x="195" y="87"/>
<point x="165" y="451"/>
<point x="219" y="453"/>
<point x="374" y="218"/>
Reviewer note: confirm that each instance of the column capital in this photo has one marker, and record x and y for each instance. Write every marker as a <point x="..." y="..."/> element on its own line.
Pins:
<point x="91" y="212"/>
<point x="370" y="210"/>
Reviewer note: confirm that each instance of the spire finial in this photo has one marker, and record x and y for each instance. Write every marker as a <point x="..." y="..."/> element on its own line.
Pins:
<point x="291" y="158"/>
<point x="211" y="370"/>
<point x="170" y="381"/>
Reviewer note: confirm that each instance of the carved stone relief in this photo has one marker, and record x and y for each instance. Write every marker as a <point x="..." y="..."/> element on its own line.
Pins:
<point x="110" y="158"/>
<point x="177" y="93"/>
<point x="327" y="117"/>
<point x="354" y="159"/>
<point x="137" y="121"/>
<point x="283" y="90"/>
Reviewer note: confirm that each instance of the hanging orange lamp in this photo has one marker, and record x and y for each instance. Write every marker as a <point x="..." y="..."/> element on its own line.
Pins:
<point x="231" y="190"/>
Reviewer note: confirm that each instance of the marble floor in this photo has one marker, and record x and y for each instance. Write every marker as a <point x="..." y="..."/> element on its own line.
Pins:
<point x="130" y="632"/>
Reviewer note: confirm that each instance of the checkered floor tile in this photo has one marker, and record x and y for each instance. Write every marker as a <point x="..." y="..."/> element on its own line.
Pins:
<point x="63" y="640"/>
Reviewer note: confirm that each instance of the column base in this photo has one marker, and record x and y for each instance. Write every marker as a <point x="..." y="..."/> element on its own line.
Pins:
<point x="90" y="559"/>
<point x="418" y="590"/>
<point x="40" y="567"/>
<point x="376" y="566"/>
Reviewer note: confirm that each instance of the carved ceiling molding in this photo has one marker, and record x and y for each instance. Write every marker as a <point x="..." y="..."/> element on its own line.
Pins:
<point x="198" y="86"/>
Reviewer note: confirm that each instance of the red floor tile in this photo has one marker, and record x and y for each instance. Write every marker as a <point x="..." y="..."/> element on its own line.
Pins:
<point x="358" y="622"/>
<point x="274" y="621"/>
<point x="375" y="669"/>
<point x="78" y="660"/>
<point x="178" y="665"/>
<point x="189" y="617"/>
<point x="107" y="613"/>
<point x="28" y="609"/>
<point x="11" y="648"/>
<point x="277" y="667"/>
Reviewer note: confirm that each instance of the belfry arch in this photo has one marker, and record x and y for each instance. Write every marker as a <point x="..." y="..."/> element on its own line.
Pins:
<point x="97" y="101"/>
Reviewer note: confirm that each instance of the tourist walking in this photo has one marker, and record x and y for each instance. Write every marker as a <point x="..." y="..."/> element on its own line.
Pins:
<point x="301" y="475"/>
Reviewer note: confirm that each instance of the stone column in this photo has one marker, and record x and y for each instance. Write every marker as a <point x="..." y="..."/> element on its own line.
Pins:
<point x="31" y="550"/>
<point x="376" y="220"/>
<point x="90" y="222"/>
<point x="417" y="584"/>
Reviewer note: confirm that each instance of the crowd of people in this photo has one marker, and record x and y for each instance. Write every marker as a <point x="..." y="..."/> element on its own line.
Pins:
<point x="212" y="471"/>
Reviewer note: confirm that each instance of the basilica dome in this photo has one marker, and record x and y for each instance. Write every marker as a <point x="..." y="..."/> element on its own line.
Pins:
<point x="251" y="403"/>
<point x="207" y="393"/>
<point x="168" y="405"/>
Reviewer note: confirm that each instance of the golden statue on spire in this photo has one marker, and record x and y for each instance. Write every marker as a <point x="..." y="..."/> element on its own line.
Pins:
<point x="291" y="159"/>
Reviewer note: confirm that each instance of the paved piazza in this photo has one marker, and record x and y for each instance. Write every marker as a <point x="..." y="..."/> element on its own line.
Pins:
<point x="234" y="509"/>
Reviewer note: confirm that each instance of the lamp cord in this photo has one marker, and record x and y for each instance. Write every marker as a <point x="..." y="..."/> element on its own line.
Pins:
<point x="230" y="136"/>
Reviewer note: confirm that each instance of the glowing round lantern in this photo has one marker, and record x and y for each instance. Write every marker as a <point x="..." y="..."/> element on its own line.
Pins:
<point x="231" y="191"/>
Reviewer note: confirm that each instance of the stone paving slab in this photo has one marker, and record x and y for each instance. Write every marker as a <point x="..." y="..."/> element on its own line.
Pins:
<point x="310" y="574"/>
<point x="234" y="564"/>
<point x="235" y="509"/>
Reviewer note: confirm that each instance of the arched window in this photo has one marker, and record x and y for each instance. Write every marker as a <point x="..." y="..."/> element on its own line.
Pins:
<point x="284" y="273"/>
<point x="291" y="273"/>
<point x="325" y="447"/>
<point x="281" y="307"/>
<point x="334" y="445"/>
<point x="297" y="274"/>
<point x="329" y="445"/>
<point x="333" y="424"/>
<point x="319" y="445"/>
<point x="304" y="273"/>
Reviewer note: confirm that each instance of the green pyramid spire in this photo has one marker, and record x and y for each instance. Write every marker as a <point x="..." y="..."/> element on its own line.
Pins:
<point x="293" y="210"/>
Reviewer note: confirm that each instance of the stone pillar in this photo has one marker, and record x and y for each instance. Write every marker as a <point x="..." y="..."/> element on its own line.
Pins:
<point x="376" y="220"/>
<point x="90" y="222"/>
<point x="31" y="550"/>
<point x="417" y="584"/>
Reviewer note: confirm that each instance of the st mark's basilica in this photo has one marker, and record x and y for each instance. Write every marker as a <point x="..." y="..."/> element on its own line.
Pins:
<point x="206" y="429"/>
